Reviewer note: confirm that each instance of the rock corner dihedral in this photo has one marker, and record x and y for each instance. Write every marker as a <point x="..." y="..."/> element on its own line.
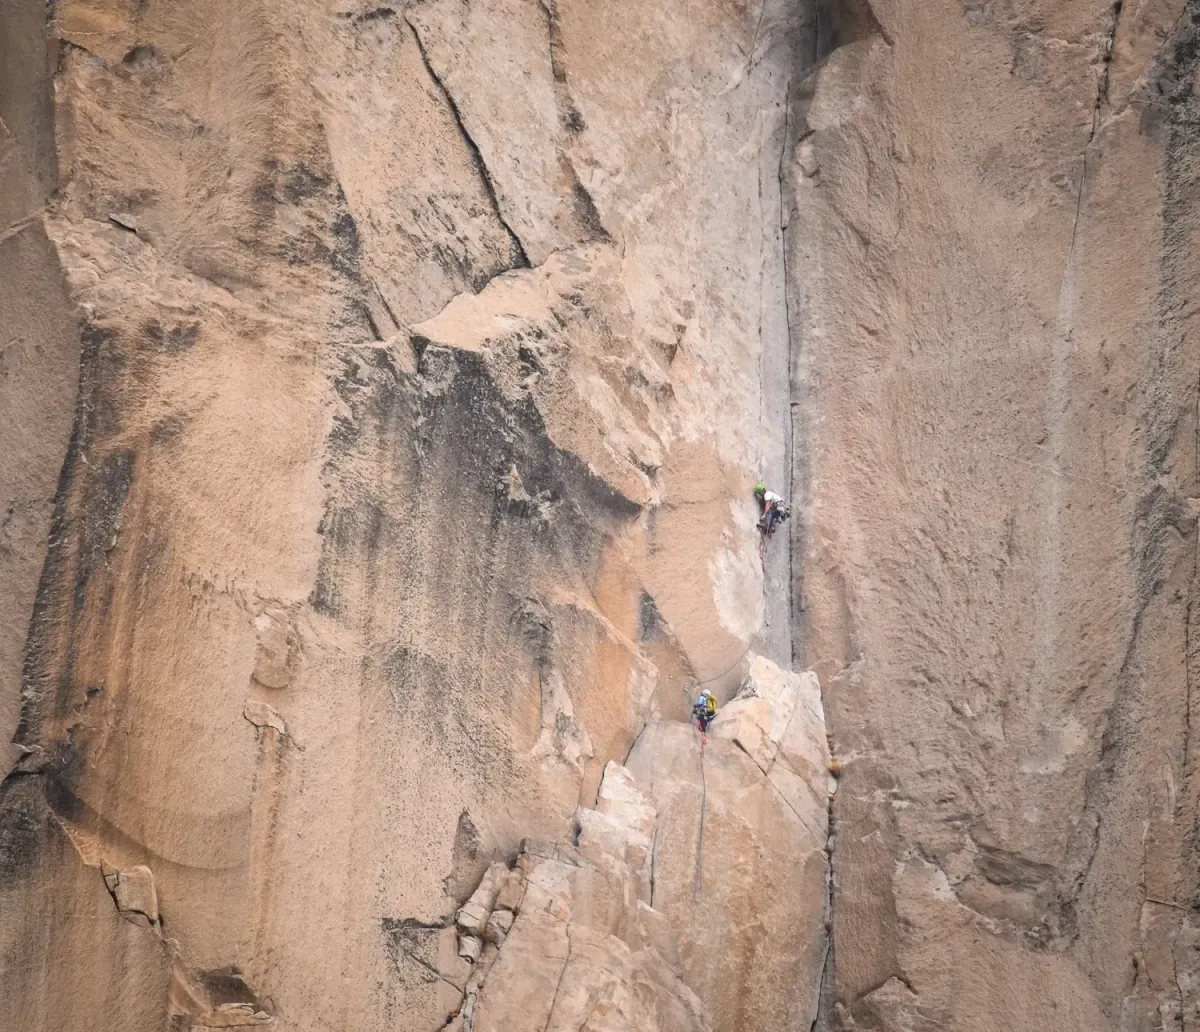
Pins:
<point x="636" y="917"/>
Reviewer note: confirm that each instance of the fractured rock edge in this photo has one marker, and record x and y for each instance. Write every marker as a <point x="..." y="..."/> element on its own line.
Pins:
<point x="569" y="929"/>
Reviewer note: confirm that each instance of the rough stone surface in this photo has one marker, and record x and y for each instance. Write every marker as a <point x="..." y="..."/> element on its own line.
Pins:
<point x="39" y="372"/>
<point x="583" y="950"/>
<point x="381" y="388"/>
<point x="995" y="402"/>
<point x="390" y="384"/>
<point x="732" y="838"/>
<point x="470" y="946"/>
<point x="498" y="926"/>
<point x="134" y="892"/>
<point x="472" y="917"/>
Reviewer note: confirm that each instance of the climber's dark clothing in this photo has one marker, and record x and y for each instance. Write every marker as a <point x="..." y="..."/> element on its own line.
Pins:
<point x="774" y="510"/>
<point x="704" y="711"/>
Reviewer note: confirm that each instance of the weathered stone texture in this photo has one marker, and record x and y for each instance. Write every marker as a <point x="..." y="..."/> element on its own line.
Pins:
<point x="389" y="387"/>
<point x="381" y="390"/>
<point x="995" y="392"/>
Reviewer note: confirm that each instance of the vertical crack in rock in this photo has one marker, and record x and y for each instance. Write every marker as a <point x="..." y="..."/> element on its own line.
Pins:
<point x="654" y="859"/>
<point x="1172" y="344"/>
<point x="700" y="833"/>
<point x="1191" y="642"/>
<point x="519" y="257"/>
<point x="1190" y="635"/>
<point x="784" y="221"/>
<point x="1158" y="511"/>
<point x="1178" y="983"/>
<point x="826" y="987"/>
<point x="633" y="745"/>
<point x="76" y="545"/>
<point x="396" y="324"/>
<point x="1102" y="772"/>
<point x="1099" y="777"/>
<point x="1101" y="100"/>
<point x="587" y="215"/>
<point x="762" y="10"/>
<point x="558" y="985"/>
<point x="820" y="1017"/>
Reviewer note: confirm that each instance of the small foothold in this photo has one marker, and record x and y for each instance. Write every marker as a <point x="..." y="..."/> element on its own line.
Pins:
<point x="262" y="715"/>
<point x="469" y="947"/>
<point x="134" y="892"/>
<point x="125" y="221"/>
<point x="498" y="926"/>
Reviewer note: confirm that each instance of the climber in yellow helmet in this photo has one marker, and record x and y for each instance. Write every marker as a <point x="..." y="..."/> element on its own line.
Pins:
<point x="705" y="709"/>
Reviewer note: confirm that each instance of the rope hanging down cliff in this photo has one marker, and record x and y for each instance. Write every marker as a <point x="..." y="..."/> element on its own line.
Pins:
<point x="703" y="808"/>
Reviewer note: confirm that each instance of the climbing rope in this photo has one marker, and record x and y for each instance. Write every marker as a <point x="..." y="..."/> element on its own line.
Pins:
<point x="689" y="682"/>
<point x="703" y="808"/>
<point x="709" y="680"/>
<point x="696" y="683"/>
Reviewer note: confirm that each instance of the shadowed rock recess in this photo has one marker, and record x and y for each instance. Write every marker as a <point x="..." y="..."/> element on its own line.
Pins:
<point x="383" y="389"/>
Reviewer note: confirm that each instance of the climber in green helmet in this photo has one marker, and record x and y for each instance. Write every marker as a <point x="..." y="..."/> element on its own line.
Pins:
<point x="774" y="511"/>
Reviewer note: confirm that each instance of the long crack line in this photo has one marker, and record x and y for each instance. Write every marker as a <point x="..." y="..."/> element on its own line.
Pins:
<point x="521" y="260"/>
<point x="558" y="985"/>
<point x="1101" y="100"/>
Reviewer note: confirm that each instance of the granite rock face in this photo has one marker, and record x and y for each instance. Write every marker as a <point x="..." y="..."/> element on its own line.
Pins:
<point x="739" y="862"/>
<point x="382" y="389"/>
<point x="581" y="947"/>
<point x="692" y="897"/>
<point x="995" y="392"/>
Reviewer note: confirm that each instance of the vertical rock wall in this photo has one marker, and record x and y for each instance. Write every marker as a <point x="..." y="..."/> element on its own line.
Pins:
<point x="382" y="387"/>
<point x="416" y="363"/>
<point x="996" y="441"/>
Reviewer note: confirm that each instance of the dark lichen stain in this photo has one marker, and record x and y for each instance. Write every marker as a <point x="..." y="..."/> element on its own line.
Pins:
<point x="376" y="14"/>
<point x="409" y="939"/>
<point x="573" y="121"/>
<point x="361" y="315"/>
<point x="173" y="341"/>
<point x="262" y="193"/>
<point x="650" y="622"/>
<point x="301" y="182"/>
<point x="305" y="248"/>
<point x="107" y="492"/>
<point x="587" y="213"/>
<point x="22" y="827"/>
<point x="344" y="258"/>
